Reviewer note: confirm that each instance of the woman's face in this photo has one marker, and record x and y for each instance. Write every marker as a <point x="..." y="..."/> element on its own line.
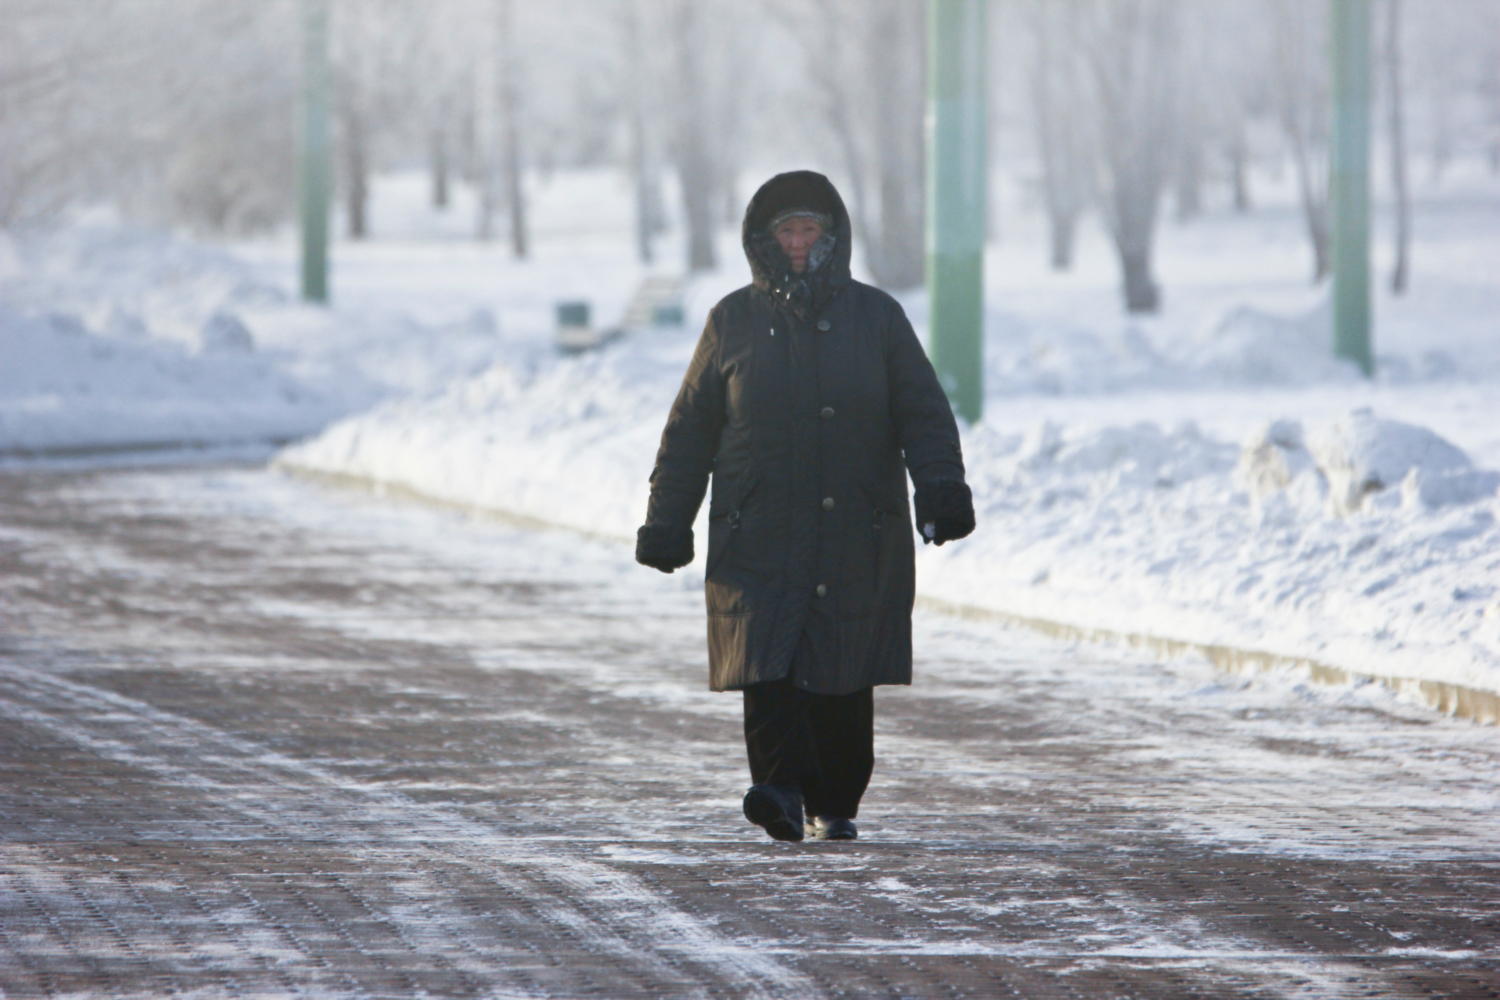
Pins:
<point x="797" y="236"/>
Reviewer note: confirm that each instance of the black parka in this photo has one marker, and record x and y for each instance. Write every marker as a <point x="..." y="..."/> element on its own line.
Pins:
<point x="802" y="404"/>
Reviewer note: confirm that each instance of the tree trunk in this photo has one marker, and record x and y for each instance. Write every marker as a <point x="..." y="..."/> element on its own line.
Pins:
<point x="1063" y="228"/>
<point x="644" y="186"/>
<point x="1302" y="107"/>
<point x="734" y="209"/>
<point x="869" y="56"/>
<point x="1318" y="231"/>
<point x="1187" y="168"/>
<point x="823" y="52"/>
<point x="438" y="146"/>
<point x="510" y="108"/>
<point x="467" y="143"/>
<point x="484" y="229"/>
<point x="1316" y="217"/>
<point x="1189" y="180"/>
<point x="515" y="194"/>
<point x="694" y="165"/>
<point x="894" y="65"/>
<point x="356" y="167"/>
<point x="697" y="203"/>
<point x="1141" y="292"/>
<point x="1055" y="95"/>
<point x="901" y="257"/>
<point x="1239" y="174"/>
<point x="647" y="208"/>
<point x="1314" y="210"/>
<point x="1137" y="192"/>
<point x="485" y="129"/>
<point x="837" y="113"/>
<point x="1132" y="50"/>
<point x="1398" y="144"/>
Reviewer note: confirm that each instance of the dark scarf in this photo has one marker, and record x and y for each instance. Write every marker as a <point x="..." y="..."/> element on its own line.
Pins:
<point x="804" y="295"/>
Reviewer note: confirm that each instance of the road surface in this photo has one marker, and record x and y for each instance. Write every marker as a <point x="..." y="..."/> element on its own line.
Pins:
<point x="261" y="737"/>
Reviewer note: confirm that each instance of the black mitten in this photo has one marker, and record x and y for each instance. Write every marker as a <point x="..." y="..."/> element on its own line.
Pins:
<point x="663" y="547"/>
<point x="945" y="510"/>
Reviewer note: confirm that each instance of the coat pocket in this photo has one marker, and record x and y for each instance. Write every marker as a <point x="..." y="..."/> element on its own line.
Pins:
<point x="866" y="554"/>
<point x="724" y="524"/>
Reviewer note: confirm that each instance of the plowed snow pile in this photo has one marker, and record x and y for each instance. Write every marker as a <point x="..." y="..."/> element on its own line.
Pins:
<point x="570" y="444"/>
<point x="1367" y="544"/>
<point x="1377" y="550"/>
<point x="116" y="337"/>
<point x="64" y="388"/>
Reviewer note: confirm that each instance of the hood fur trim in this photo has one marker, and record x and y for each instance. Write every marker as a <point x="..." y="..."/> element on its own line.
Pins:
<point x="808" y="293"/>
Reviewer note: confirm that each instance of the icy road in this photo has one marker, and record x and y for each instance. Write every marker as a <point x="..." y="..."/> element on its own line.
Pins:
<point x="261" y="737"/>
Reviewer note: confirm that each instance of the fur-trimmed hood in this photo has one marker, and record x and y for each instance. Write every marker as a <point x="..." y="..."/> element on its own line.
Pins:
<point x="771" y="271"/>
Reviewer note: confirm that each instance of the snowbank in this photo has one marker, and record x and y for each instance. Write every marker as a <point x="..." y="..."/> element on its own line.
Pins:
<point x="1171" y="534"/>
<point x="1246" y="348"/>
<point x="1376" y="549"/>
<point x="570" y="443"/>
<point x="115" y="336"/>
<point x="63" y="388"/>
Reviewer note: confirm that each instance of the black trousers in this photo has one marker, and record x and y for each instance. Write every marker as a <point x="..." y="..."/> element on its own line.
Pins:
<point x="823" y="742"/>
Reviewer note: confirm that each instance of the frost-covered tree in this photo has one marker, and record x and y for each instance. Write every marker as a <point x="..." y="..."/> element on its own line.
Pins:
<point x="693" y="135"/>
<point x="1301" y="95"/>
<point x="1489" y="90"/>
<point x="42" y="50"/>
<point x="1131" y="49"/>
<point x="865" y="62"/>
<point x="1060" y="119"/>
<point x="375" y="56"/>
<point x="1395" y="102"/>
<point x="178" y="111"/>
<point x="46" y="47"/>
<point x="1238" y="49"/>
<point x="184" y="111"/>
<point x="640" y="88"/>
<point x="896" y="68"/>
<point x="441" y="96"/>
<point x="1451" y="66"/>
<point x="1225" y="49"/>
<point x="510" y="84"/>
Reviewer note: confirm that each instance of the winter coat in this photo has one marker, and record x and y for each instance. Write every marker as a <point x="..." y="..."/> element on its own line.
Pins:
<point x="808" y="400"/>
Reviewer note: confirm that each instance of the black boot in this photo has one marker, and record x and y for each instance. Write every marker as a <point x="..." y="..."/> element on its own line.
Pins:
<point x="830" y="828"/>
<point x="777" y="809"/>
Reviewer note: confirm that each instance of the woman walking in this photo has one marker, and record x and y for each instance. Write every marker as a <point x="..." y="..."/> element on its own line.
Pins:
<point x="808" y="400"/>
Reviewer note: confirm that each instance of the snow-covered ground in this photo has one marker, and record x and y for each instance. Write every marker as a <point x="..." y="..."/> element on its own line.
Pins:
<point x="114" y="336"/>
<point x="1128" y="471"/>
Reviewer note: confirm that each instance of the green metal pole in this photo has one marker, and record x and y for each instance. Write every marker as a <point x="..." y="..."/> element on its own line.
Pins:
<point x="314" y="168"/>
<point x="955" y="199"/>
<point x="1349" y="185"/>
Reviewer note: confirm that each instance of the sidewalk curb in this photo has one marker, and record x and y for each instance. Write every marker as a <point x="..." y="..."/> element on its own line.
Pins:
<point x="1451" y="699"/>
<point x="400" y="491"/>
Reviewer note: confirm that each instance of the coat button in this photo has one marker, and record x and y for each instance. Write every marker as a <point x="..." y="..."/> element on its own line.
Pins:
<point x="828" y="503"/>
<point x="823" y="325"/>
<point x="822" y="590"/>
<point x="827" y="413"/>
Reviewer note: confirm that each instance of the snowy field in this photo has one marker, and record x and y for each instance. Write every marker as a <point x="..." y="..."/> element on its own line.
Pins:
<point x="1206" y="475"/>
